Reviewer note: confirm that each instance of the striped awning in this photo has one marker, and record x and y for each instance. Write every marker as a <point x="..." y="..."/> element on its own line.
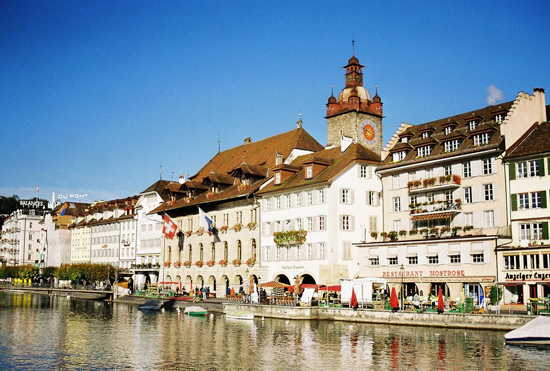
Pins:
<point x="419" y="217"/>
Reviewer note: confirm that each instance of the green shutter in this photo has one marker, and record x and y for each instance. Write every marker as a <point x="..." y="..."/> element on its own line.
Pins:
<point x="544" y="230"/>
<point x="543" y="199"/>
<point x="514" y="202"/>
<point x="512" y="170"/>
<point x="541" y="167"/>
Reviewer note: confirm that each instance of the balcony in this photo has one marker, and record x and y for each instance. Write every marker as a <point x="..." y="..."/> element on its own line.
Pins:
<point x="435" y="210"/>
<point x="434" y="184"/>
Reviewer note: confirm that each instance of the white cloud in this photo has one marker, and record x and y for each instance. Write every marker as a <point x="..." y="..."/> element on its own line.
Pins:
<point x="494" y="94"/>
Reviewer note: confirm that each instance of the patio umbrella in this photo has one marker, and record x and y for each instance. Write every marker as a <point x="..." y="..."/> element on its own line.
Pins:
<point x="274" y="284"/>
<point x="353" y="303"/>
<point x="394" y="302"/>
<point x="440" y="302"/>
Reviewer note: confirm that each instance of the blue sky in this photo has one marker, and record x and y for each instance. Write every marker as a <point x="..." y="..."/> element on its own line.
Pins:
<point x="96" y="96"/>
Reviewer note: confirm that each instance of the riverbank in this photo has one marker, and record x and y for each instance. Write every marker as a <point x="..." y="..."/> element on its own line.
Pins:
<point x="487" y="321"/>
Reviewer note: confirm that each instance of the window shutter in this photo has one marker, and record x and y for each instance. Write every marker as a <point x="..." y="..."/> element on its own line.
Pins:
<point x="543" y="199"/>
<point x="351" y="196"/>
<point x="541" y="167"/>
<point x="514" y="200"/>
<point x="352" y="223"/>
<point x="544" y="230"/>
<point x="512" y="170"/>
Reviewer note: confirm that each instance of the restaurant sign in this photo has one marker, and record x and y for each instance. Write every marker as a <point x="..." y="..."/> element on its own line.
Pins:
<point x="432" y="273"/>
<point x="33" y="204"/>
<point x="527" y="276"/>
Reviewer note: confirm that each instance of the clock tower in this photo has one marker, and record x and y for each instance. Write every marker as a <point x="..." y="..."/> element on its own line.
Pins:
<point x="354" y="113"/>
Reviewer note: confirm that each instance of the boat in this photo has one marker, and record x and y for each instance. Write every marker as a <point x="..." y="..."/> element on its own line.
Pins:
<point x="239" y="314"/>
<point x="533" y="333"/>
<point x="195" y="310"/>
<point x="151" y="305"/>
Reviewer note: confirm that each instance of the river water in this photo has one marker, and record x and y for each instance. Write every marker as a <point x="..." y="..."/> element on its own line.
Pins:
<point x="41" y="332"/>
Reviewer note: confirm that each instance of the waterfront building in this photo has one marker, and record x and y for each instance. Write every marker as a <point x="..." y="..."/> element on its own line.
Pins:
<point x="106" y="233"/>
<point x="225" y="190"/>
<point x="444" y="201"/>
<point x="524" y="263"/>
<point x="55" y="235"/>
<point x="149" y="234"/>
<point x="20" y="238"/>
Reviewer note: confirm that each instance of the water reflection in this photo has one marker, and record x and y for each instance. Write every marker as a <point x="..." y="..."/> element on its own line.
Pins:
<point x="55" y="332"/>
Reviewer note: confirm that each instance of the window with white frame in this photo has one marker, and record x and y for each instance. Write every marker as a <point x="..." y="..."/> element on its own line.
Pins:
<point x="278" y="177"/>
<point x="288" y="202"/>
<point x="298" y="199"/>
<point x="373" y="223"/>
<point x="298" y="252"/>
<point x="399" y="156"/>
<point x="481" y="139"/>
<point x="346" y="222"/>
<point x="425" y="135"/>
<point x="309" y="221"/>
<point x="346" y="250"/>
<point x="498" y="118"/>
<point x="309" y="251"/>
<point x="299" y="223"/>
<point x="454" y="259"/>
<point x="487" y="166"/>
<point x="397" y="204"/>
<point x="448" y="170"/>
<point x="267" y="206"/>
<point x="345" y="196"/>
<point x="534" y="168"/>
<point x="478" y="258"/>
<point x="322" y="223"/>
<point x="374" y="261"/>
<point x="531" y="261"/>
<point x="521" y="169"/>
<point x="321" y="196"/>
<point x="472" y="124"/>
<point x="468" y="219"/>
<point x="395" y="182"/>
<point x="364" y="171"/>
<point x="451" y="145"/>
<point x="322" y="252"/>
<point x="511" y="262"/>
<point x="466" y="169"/>
<point x="424" y="151"/>
<point x="536" y="200"/>
<point x="448" y="194"/>
<point x="309" y="171"/>
<point x="430" y="197"/>
<point x="397" y="225"/>
<point x="429" y="172"/>
<point x="309" y="198"/>
<point x="371" y="198"/>
<point x="489" y="216"/>
<point x="467" y="195"/>
<point x="278" y="203"/>
<point x="488" y="192"/>
<point x="448" y="130"/>
<point x="393" y="260"/>
<point x="523" y="200"/>
<point x="545" y="260"/>
<point x="413" y="200"/>
<point x="530" y="231"/>
<point x="412" y="260"/>
<point x="433" y="259"/>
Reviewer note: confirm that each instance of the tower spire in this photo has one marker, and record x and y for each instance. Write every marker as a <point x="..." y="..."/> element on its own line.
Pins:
<point x="353" y="47"/>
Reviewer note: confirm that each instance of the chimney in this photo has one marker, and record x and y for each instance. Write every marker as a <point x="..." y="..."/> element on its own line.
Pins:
<point x="278" y="159"/>
<point x="247" y="140"/>
<point x="181" y="179"/>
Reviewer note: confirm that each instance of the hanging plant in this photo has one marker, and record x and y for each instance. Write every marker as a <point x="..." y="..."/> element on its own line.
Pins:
<point x="223" y="262"/>
<point x="237" y="227"/>
<point x="236" y="262"/>
<point x="210" y="263"/>
<point x="187" y="263"/>
<point x="290" y="237"/>
<point x="251" y="225"/>
<point x="167" y="264"/>
<point x="199" y="263"/>
<point x="250" y="262"/>
<point x="224" y="228"/>
<point x="177" y="264"/>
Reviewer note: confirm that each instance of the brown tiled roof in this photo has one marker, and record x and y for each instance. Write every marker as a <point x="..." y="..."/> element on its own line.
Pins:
<point x="338" y="161"/>
<point x="250" y="170"/>
<point x="535" y="141"/>
<point x="260" y="154"/>
<point x="219" y="178"/>
<point x="160" y="188"/>
<point x="484" y="115"/>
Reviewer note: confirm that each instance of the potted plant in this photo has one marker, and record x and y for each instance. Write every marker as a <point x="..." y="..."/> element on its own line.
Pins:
<point x="177" y="264"/>
<point x="445" y="229"/>
<point x="236" y="262"/>
<point x="384" y="235"/>
<point x="434" y="231"/>
<point x="167" y="264"/>
<point x="455" y="230"/>
<point x="424" y="231"/>
<point x="392" y="235"/>
<point x="223" y="262"/>
<point x="413" y="232"/>
<point x="402" y="233"/>
<point x="251" y="261"/>
<point x="200" y="231"/>
<point x="237" y="227"/>
<point x="374" y="235"/>
<point x="467" y="228"/>
<point x="199" y="263"/>
<point x="210" y="263"/>
<point x="188" y="233"/>
<point x="187" y="263"/>
<point x="251" y="225"/>
<point x="457" y="179"/>
<point x="224" y="228"/>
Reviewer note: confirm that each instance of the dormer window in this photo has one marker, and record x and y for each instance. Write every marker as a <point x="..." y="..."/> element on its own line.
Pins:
<point x="498" y="118"/>
<point x="278" y="177"/>
<point x="404" y="140"/>
<point x="309" y="171"/>
<point x="448" y="130"/>
<point x="472" y="124"/>
<point x="425" y="134"/>
<point x="481" y="139"/>
<point x="452" y="145"/>
<point x="399" y="156"/>
<point x="424" y="151"/>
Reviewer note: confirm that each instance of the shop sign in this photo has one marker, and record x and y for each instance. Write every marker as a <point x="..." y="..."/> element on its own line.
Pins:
<point x="33" y="204"/>
<point x="293" y="267"/>
<point x="442" y="273"/>
<point x="527" y="276"/>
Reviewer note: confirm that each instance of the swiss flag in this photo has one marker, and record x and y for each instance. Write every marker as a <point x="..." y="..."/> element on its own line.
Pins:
<point x="169" y="228"/>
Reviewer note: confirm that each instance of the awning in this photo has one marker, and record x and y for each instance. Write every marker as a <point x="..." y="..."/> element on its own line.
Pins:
<point x="547" y="283"/>
<point x="419" y="217"/>
<point x="274" y="284"/>
<point x="511" y="283"/>
<point x="333" y="288"/>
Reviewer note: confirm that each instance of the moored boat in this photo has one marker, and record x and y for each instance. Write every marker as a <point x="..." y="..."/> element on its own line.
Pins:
<point x="533" y="333"/>
<point x="239" y="314"/>
<point x="151" y="305"/>
<point x="195" y="310"/>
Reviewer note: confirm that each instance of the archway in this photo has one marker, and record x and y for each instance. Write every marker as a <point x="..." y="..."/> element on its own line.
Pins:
<point x="283" y="279"/>
<point x="226" y="287"/>
<point x="307" y="279"/>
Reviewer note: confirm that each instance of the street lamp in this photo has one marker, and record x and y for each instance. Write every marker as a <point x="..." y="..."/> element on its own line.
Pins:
<point x="402" y="268"/>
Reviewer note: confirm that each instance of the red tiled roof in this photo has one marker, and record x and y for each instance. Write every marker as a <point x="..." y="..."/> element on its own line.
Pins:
<point x="535" y="141"/>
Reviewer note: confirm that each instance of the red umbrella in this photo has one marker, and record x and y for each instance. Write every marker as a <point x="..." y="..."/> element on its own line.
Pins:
<point x="353" y="302"/>
<point x="440" y="302"/>
<point x="394" y="302"/>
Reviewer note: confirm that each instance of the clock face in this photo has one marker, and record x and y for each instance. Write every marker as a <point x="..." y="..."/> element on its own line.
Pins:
<point x="358" y="78"/>
<point x="350" y="78"/>
<point x="370" y="133"/>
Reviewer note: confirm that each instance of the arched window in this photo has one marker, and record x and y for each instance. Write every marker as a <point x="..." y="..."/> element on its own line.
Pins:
<point x="213" y="251"/>
<point x="239" y="250"/>
<point x="190" y="253"/>
<point x="201" y="252"/>
<point x="225" y="251"/>
<point x="169" y="254"/>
